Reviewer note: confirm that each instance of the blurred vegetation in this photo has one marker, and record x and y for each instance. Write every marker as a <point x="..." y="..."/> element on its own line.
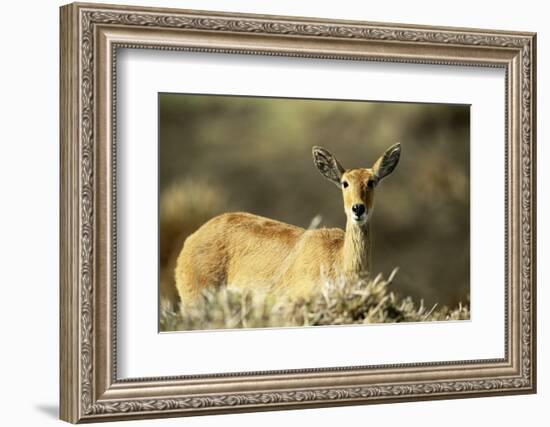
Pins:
<point x="343" y="303"/>
<point x="227" y="153"/>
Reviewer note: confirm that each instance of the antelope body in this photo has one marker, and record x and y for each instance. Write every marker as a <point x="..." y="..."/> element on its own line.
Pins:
<point x="249" y="252"/>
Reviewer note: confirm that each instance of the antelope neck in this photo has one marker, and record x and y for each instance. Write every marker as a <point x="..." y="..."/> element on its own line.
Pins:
<point x="356" y="249"/>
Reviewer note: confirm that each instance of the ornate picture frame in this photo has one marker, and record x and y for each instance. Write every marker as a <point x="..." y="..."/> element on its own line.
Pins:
<point x="90" y="37"/>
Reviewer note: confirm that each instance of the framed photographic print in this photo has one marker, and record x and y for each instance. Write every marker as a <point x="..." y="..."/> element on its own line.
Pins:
<point x="266" y="212"/>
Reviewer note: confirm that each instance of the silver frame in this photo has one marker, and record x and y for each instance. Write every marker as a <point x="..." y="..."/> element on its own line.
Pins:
<point x="90" y="37"/>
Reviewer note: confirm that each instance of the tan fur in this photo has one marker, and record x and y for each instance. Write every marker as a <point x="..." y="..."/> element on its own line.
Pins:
<point x="249" y="252"/>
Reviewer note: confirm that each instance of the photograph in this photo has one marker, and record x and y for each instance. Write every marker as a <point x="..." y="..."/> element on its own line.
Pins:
<point x="292" y="212"/>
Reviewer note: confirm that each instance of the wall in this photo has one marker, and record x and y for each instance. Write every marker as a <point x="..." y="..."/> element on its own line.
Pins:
<point x="29" y="226"/>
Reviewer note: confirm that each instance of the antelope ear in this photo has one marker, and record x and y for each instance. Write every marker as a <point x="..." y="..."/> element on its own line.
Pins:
<point x="327" y="165"/>
<point x="387" y="163"/>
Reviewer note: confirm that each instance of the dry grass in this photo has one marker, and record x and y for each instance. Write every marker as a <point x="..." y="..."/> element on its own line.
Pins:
<point x="361" y="302"/>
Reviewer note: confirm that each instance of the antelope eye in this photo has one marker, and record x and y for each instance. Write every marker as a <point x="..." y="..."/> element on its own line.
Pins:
<point x="345" y="184"/>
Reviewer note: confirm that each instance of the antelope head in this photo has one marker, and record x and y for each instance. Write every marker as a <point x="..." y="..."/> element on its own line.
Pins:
<point x="357" y="185"/>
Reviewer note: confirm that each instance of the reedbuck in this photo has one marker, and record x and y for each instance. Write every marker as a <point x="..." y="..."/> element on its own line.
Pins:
<point x="249" y="252"/>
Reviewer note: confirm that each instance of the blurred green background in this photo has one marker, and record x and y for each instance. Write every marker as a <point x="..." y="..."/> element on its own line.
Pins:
<point x="230" y="153"/>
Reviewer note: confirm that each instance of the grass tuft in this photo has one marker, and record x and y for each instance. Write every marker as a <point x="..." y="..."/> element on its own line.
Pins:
<point x="341" y="303"/>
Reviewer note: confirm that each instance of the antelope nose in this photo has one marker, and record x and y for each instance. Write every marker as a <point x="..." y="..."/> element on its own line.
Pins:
<point x="358" y="209"/>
